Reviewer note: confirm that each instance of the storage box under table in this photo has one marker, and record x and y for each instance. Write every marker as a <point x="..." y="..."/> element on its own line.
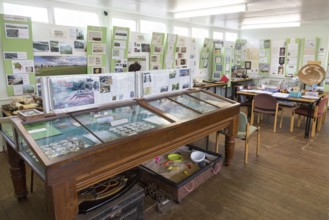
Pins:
<point x="129" y="206"/>
<point x="180" y="178"/>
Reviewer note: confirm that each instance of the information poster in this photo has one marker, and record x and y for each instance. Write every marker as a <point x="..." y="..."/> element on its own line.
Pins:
<point x="309" y="48"/>
<point x="218" y="59"/>
<point x="265" y="56"/>
<point x="278" y="58"/>
<point x="240" y="53"/>
<point x="157" y="51"/>
<point x="139" y="43"/>
<point x="119" y="55"/>
<point x="85" y="91"/>
<point x="228" y="60"/>
<point x="161" y="81"/>
<point x="292" y="56"/>
<point x="96" y="49"/>
<point x="170" y="49"/>
<point x="16" y="41"/>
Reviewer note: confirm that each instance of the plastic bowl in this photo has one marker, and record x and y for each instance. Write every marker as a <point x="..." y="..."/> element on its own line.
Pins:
<point x="197" y="156"/>
<point x="175" y="157"/>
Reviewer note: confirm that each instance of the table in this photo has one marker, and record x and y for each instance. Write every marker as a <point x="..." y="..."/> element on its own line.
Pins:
<point x="235" y="82"/>
<point x="207" y="85"/>
<point x="309" y="102"/>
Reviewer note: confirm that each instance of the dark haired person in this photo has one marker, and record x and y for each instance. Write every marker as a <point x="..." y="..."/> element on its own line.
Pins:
<point x="134" y="67"/>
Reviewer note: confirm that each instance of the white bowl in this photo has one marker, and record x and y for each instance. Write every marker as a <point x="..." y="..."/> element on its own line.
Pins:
<point x="197" y="156"/>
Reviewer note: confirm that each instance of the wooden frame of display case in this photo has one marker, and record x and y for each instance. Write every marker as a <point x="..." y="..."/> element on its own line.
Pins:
<point x="66" y="175"/>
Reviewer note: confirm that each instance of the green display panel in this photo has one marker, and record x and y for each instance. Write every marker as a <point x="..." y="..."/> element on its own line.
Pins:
<point x="157" y="51"/>
<point x="96" y="49"/>
<point x="206" y="55"/>
<point x="17" y="47"/>
<point x="217" y="59"/>
<point x="119" y="56"/>
<point x="240" y="53"/>
<point x="170" y="51"/>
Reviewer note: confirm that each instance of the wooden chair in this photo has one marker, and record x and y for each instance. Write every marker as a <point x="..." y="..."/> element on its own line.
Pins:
<point x="318" y="115"/>
<point x="244" y="132"/>
<point x="265" y="104"/>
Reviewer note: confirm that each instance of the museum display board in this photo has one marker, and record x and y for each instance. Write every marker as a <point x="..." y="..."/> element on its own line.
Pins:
<point x="72" y="151"/>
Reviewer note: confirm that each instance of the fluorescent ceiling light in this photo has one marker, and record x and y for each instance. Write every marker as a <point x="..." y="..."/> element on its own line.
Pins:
<point x="211" y="11"/>
<point x="187" y="5"/>
<point x="272" y="19"/>
<point x="272" y="25"/>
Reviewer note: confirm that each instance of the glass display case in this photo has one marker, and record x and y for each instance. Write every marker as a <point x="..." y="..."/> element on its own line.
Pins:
<point x="211" y="99"/>
<point x="194" y="103"/>
<point x="72" y="151"/>
<point x="175" y="109"/>
<point x="114" y="123"/>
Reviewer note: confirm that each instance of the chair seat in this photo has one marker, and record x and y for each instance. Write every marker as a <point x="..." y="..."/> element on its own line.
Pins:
<point x="266" y="111"/>
<point x="303" y="111"/>
<point x="242" y="134"/>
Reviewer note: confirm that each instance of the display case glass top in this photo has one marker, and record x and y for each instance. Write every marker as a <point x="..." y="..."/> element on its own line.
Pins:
<point x="114" y="123"/>
<point x="61" y="136"/>
<point x="177" y="110"/>
<point x="194" y="103"/>
<point x="211" y="99"/>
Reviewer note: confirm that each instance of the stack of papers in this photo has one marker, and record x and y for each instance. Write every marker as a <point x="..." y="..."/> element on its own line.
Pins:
<point x="281" y="95"/>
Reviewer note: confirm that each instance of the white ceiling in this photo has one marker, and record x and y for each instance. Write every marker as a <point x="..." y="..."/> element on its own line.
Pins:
<point x="309" y="11"/>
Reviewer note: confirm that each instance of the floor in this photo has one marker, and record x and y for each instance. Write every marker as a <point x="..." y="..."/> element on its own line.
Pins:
<point x="289" y="180"/>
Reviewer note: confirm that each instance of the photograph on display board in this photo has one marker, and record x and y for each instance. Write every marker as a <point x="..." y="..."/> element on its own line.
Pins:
<point x="105" y="83"/>
<point x="40" y="46"/>
<point x="73" y="92"/>
<point x="60" y="65"/>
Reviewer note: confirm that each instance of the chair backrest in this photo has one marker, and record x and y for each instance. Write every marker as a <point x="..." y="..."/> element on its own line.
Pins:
<point x="243" y="121"/>
<point x="265" y="102"/>
<point x="322" y="105"/>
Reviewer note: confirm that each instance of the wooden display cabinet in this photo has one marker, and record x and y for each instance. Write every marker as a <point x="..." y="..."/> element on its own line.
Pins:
<point x="75" y="150"/>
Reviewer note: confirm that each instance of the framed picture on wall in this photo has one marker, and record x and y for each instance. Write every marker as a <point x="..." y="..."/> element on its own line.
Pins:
<point x="247" y="65"/>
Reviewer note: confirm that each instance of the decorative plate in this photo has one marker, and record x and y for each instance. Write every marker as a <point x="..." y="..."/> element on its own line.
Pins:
<point x="311" y="74"/>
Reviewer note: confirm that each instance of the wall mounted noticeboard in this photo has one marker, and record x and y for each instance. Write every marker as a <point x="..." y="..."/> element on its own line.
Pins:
<point x="18" y="55"/>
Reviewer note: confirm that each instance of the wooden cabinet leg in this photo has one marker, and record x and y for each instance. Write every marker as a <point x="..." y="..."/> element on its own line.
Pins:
<point x="229" y="149"/>
<point x="18" y="173"/>
<point x="62" y="201"/>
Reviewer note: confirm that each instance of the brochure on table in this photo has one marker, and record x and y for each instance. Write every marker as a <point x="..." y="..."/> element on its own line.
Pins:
<point x="265" y="56"/>
<point x="278" y="58"/>
<point x="157" y="51"/>
<point x="120" y="39"/>
<point x="96" y="49"/>
<point x="16" y="41"/>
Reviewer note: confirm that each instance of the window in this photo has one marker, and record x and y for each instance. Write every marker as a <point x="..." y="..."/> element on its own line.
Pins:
<point x="218" y="35"/>
<point x="37" y="14"/>
<point x="131" y="24"/>
<point x="200" y="33"/>
<point x="75" y="18"/>
<point x="152" y="26"/>
<point x="181" y="31"/>
<point x="231" y="36"/>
